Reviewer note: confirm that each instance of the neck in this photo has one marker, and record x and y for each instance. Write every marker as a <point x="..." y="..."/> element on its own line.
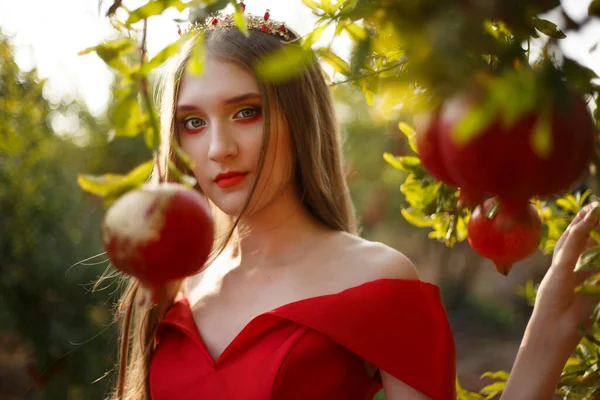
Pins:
<point x="275" y="234"/>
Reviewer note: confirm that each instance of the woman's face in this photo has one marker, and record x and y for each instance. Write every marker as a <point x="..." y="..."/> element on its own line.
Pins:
<point x="219" y="116"/>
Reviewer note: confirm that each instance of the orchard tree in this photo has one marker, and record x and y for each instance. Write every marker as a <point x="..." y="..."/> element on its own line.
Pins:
<point x="504" y="142"/>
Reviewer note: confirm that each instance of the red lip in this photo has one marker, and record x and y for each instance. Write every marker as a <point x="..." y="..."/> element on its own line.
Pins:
<point x="229" y="178"/>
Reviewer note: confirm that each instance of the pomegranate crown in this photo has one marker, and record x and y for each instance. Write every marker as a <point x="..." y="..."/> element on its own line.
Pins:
<point x="263" y="23"/>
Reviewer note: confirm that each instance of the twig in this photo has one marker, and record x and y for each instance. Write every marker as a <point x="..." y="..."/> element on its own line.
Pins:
<point x="398" y="64"/>
<point x="113" y="9"/>
<point x="146" y="96"/>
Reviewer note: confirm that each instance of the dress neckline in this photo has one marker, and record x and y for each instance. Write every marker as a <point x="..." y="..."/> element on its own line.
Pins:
<point x="180" y="315"/>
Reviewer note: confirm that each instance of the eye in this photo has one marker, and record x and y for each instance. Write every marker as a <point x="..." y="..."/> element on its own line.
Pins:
<point x="193" y="123"/>
<point x="248" y="112"/>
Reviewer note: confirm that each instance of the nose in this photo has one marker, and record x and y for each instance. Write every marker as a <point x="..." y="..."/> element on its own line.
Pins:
<point x="222" y="143"/>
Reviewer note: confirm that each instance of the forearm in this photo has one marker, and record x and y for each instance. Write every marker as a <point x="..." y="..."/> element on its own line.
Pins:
<point x="538" y="365"/>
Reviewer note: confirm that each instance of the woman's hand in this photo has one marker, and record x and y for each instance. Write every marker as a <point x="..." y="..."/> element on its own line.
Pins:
<point x="557" y="306"/>
<point x="553" y="330"/>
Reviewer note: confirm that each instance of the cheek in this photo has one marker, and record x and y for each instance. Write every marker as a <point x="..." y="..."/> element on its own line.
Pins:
<point x="195" y="151"/>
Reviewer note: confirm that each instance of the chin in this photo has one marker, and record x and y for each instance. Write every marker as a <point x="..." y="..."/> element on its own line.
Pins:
<point x="230" y="204"/>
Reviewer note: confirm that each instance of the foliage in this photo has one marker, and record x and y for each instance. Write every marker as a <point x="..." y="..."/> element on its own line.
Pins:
<point x="407" y="56"/>
<point x="46" y="227"/>
<point x="50" y="246"/>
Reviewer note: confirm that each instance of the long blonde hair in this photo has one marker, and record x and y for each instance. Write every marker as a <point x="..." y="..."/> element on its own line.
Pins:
<point x="307" y="106"/>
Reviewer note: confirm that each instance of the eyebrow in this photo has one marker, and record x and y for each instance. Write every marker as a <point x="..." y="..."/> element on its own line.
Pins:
<point x="231" y="100"/>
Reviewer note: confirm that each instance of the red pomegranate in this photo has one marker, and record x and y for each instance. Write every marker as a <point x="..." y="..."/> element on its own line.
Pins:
<point x="506" y="237"/>
<point x="430" y="153"/>
<point x="501" y="160"/>
<point x="428" y="146"/>
<point x="159" y="233"/>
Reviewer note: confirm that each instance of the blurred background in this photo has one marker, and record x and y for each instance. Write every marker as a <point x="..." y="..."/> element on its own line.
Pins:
<point x="57" y="340"/>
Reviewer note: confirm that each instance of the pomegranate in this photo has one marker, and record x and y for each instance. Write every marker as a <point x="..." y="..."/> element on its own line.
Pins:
<point x="427" y="141"/>
<point x="159" y="233"/>
<point x="469" y="198"/>
<point x="505" y="238"/>
<point x="501" y="160"/>
<point x="428" y="146"/>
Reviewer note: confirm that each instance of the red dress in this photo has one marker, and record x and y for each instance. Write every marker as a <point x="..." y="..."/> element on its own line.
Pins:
<point x="314" y="348"/>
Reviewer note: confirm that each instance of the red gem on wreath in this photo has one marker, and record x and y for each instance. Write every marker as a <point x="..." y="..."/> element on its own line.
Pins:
<point x="215" y="22"/>
<point x="264" y="28"/>
<point x="267" y="15"/>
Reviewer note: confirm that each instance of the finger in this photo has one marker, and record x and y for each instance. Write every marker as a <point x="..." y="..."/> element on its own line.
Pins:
<point x="583" y="211"/>
<point x="576" y="240"/>
<point x="578" y="218"/>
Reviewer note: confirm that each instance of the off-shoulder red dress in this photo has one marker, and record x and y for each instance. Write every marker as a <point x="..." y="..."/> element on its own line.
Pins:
<point x="314" y="348"/>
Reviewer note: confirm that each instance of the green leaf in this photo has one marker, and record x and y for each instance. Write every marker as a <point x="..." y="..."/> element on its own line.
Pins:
<point x="409" y="132"/>
<point x="161" y="57"/>
<point x="596" y="236"/>
<point x="594" y="8"/>
<point x="152" y="8"/>
<point x="239" y="18"/>
<point x="473" y="123"/>
<point x="406" y="129"/>
<point x="356" y="32"/>
<point x="420" y="193"/>
<point x="404" y="163"/>
<point x="548" y="28"/>
<point x="498" y="374"/>
<point x="187" y="180"/>
<point x="369" y="97"/>
<point x="392" y="160"/>
<point x="529" y="292"/>
<point x="111" y="186"/>
<point x="338" y="64"/>
<point x="128" y="119"/>
<point x="198" y="57"/>
<point x="568" y="203"/>
<point x="588" y="289"/>
<point x="494" y="388"/>
<point x="284" y="63"/>
<point x="111" y="52"/>
<point x="151" y="137"/>
<point x="541" y="138"/>
<point x="314" y="36"/>
<point x="327" y="6"/>
<point x="183" y="157"/>
<point x="413" y="217"/>
<point x="589" y="260"/>
<point x="313" y="5"/>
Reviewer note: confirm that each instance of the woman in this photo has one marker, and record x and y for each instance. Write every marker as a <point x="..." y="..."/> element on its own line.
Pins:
<point x="294" y="304"/>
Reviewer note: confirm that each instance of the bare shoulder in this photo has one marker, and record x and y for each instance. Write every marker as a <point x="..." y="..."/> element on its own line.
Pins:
<point x="376" y="260"/>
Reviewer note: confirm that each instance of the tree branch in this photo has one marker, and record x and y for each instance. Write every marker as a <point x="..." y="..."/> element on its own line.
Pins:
<point x="388" y="68"/>
<point x="146" y="95"/>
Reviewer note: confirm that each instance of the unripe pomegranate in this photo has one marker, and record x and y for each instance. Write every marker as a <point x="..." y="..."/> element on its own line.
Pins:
<point x="159" y="233"/>
<point x="504" y="238"/>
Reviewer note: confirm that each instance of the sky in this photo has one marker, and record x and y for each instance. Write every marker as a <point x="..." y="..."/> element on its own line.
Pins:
<point x="49" y="34"/>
